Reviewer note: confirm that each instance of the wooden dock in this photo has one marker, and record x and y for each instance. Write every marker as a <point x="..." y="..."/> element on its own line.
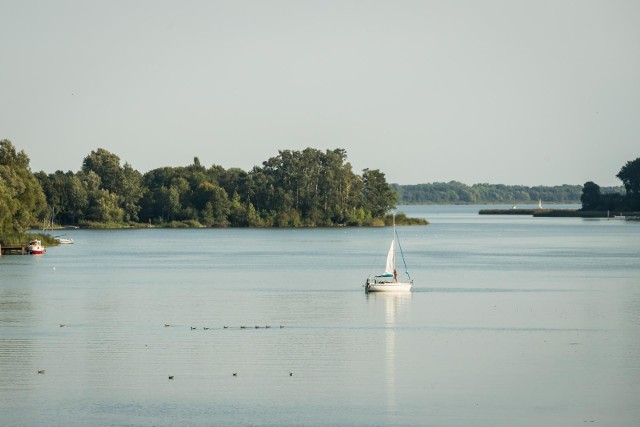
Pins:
<point x="14" y="250"/>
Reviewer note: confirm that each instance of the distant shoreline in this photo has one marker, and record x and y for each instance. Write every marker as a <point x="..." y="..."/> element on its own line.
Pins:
<point x="561" y="213"/>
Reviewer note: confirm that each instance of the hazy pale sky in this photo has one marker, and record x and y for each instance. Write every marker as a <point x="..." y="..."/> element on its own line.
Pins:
<point x="517" y="92"/>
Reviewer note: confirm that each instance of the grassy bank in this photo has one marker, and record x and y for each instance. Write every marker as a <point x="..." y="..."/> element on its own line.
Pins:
<point x="24" y="238"/>
<point x="401" y="219"/>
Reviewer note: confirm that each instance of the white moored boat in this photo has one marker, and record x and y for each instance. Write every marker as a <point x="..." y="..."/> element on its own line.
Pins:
<point x="388" y="281"/>
<point x="61" y="240"/>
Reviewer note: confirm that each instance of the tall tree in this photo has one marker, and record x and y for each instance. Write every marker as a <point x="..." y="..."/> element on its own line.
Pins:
<point x="66" y="196"/>
<point x="591" y="197"/>
<point x="131" y="192"/>
<point x="630" y="177"/>
<point x="379" y="197"/>
<point x="107" y="166"/>
<point x="22" y="200"/>
<point x="212" y="200"/>
<point x="124" y="182"/>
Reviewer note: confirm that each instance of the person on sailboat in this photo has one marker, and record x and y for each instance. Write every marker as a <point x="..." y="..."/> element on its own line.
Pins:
<point x="395" y="275"/>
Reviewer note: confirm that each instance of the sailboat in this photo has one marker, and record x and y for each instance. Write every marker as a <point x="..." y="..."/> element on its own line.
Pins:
<point x="61" y="240"/>
<point x="388" y="281"/>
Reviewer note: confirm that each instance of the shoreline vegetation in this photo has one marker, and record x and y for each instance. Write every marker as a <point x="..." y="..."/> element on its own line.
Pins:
<point x="308" y="188"/>
<point x="401" y="220"/>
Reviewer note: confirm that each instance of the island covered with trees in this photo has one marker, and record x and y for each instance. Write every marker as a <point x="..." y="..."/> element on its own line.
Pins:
<point x="305" y="188"/>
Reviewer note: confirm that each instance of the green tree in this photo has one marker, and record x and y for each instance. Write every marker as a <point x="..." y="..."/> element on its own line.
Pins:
<point x="9" y="204"/>
<point x="168" y="199"/>
<point x="130" y="193"/>
<point x="260" y="189"/>
<point x="107" y="166"/>
<point x="378" y="196"/>
<point x="65" y="194"/>
<point x="22" y="200"/>
<point x="238" y="212"/>
<point x="308" y="187"/>
<point x="233" y="180"/>
<point x="253" y="219"/>
<point x="102" y="205"/>
<point x="104" y="208"/>
<point x="214" y="199"/>
<point x="153" y="205"/>
<point x="630" y="177"/>
<point x="591" y="197"/>
<point x="122" y="181"/>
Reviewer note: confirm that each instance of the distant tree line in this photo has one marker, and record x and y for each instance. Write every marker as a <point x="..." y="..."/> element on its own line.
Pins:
<point x="593" y="197"/>
<point x="454" y="192"/>
<point x="295" y="188"/>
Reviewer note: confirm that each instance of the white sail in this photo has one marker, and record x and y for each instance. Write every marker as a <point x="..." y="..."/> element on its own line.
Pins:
<point x="391" y="259"/>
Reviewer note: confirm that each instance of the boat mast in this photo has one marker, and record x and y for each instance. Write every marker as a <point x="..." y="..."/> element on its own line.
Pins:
<point x="397" y="239"/>
<point x="394" y="239"/>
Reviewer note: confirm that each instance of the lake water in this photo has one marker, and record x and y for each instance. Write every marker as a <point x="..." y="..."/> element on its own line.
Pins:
<point x="513" y="321"/>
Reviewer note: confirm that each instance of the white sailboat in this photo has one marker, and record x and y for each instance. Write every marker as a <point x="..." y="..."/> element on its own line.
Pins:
<point x="388" y="281"/>
<point x="61" y="240"/>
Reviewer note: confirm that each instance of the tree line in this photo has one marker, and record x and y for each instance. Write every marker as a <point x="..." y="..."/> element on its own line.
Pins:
<point x="455" y="192"/>
<point x="292" y="189"/>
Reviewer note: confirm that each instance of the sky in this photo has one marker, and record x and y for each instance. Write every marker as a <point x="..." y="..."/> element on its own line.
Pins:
<point x="521" y="92"/>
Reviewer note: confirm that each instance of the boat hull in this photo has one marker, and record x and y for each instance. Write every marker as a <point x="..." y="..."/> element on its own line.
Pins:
<point x="388" y="287"/>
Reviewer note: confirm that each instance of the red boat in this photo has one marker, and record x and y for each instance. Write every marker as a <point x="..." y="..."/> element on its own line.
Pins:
<point x="35" y="248"/>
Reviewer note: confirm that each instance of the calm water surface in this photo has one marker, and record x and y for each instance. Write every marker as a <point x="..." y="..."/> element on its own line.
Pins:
<point x="513" y="321"/>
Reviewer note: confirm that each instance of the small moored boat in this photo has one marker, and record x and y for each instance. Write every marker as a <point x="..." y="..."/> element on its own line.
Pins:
<point x="35" y="247"/>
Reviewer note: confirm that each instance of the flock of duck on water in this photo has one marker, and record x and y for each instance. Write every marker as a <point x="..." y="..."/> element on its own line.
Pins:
<point x="206" y="328"/>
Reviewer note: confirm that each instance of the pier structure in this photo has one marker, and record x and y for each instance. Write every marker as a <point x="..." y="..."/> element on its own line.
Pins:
<point x="14" y="250"/>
